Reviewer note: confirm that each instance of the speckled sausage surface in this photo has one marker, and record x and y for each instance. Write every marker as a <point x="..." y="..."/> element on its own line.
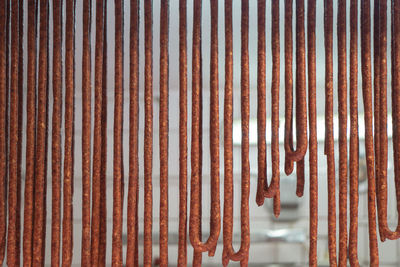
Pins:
<point x="148" y="133"/>
<point x="182" y="246"/>
<point x="329" y="141"/>
<point x="86" y="132"/>
<point x="31" y="110"/>
<point x="313" y="144"/>
<point x="68" y="186"/>
<point x="354" y="140"/>
<point x="368" y="120"/>
<point x="132" y="253"/>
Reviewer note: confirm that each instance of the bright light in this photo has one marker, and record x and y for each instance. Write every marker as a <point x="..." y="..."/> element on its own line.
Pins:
<point x="237" y="132"/>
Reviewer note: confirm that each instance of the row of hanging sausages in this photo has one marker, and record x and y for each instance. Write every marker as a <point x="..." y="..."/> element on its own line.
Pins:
<point x="93" y="243"/>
